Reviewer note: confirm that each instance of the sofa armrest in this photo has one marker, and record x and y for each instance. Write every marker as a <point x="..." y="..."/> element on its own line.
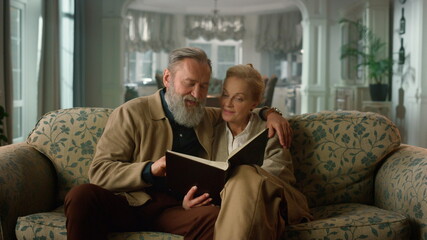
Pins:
<point x="27" y="184"/>
<point x="401" y="186"/>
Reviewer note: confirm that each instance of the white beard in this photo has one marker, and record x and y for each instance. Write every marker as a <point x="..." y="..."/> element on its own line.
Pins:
<point x="188" y="117"/>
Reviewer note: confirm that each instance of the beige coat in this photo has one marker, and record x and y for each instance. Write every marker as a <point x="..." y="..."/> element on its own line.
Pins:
<point x="277" y="160"/>
<point x="278" y="174"/>
<point x="136" y="133"/>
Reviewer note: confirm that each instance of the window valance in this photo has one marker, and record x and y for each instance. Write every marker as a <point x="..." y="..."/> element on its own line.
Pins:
<point x="209" y="27"/>
<point x="279" y="32"/>
<point x="150" y="31"/>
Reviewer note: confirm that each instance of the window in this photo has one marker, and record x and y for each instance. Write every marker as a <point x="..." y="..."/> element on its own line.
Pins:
<point x="288" y="67"/>
<point x="16" y="32"/>
<point x="223" y="54"/>
<point x="140" y="72"/>
<point x="24" y="30"/>
<point x="141" y="67"/>
<point x="148" y="35"/>
<point x="67" y="52"/>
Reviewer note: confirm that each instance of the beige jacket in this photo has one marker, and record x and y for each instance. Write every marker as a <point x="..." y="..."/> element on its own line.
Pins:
<point x="138" y="132"/>
<point x="277" y="169"/>
<point x="277" y="160"/>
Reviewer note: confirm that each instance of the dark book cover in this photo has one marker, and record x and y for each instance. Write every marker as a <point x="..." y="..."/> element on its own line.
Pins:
<point x="185" y="171"/>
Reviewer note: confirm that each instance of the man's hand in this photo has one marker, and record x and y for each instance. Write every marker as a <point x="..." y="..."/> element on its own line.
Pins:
<point x="279" y="125"/>
<point x="158" y="168"/>
<point x="191" y="202"/>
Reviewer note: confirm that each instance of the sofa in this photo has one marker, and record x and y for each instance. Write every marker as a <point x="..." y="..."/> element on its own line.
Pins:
<point x="360" y="181"/>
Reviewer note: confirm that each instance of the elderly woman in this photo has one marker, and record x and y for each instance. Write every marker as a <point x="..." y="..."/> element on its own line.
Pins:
<point x="256" y="201"/>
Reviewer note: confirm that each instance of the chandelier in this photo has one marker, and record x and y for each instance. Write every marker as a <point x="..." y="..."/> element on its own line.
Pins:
<point x="214" y="25"/>
<point x="215" y="15"/>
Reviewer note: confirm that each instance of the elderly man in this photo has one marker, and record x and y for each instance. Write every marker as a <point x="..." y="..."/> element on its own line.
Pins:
<point x="127" y="190"/>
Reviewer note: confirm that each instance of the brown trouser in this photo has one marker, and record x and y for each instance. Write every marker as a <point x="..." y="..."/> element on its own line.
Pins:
<point x="92" y="212"/>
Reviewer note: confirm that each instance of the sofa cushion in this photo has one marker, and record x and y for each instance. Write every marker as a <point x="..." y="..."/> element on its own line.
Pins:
<point x="68" y="137"/>
<point x="335" y="154"/>
<point x="351" y="221"/>
<point x="342" y="221"/>
<point x="51" y="225"/>
<point x="48" y="225"/>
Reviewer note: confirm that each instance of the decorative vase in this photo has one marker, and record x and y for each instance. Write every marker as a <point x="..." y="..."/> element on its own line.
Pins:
<point x="378" y="91"/>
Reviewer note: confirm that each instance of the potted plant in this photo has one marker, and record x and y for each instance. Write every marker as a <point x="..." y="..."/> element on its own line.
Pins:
<point x="370" y="53"/>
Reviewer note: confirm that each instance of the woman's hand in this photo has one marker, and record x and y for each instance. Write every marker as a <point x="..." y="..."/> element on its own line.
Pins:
<point x="191" y="202"/>
<point x="158" y="168"/>
<point x="279" y="125"/>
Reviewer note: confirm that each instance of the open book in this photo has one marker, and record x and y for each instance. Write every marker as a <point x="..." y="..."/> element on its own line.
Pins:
<point x="185" y="171"/>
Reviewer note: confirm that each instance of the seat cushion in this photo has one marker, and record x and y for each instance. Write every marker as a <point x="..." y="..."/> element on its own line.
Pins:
<point x="51" y="225"/>
<point x="351" y="221"/>
<point x="341" y="221"/>
<point x="48" y="225"/>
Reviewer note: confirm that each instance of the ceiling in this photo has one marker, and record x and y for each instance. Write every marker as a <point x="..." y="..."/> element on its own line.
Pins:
<point x="225" y="7"/>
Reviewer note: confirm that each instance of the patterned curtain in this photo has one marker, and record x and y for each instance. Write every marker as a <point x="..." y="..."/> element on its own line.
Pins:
<point x="220" y="27"/>
<point x="150" y="31"/>
<point x="279" y="32"/>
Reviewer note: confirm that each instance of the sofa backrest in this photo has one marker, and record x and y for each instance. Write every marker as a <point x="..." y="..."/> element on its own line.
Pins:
<point x="68" y="137"/>
<point x="335" y="154"/>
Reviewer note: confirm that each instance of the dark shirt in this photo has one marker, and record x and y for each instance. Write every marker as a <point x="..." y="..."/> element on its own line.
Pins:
<point x="184" y="141"/>
<point x="184" y="138"/>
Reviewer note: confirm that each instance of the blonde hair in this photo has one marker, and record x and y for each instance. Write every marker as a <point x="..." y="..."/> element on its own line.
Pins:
<point x="251" y="76"/>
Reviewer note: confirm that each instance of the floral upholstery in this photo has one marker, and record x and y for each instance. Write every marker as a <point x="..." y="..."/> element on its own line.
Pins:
<point x="68" y="137"/>
<point x="39" y="225"/>
<point x="27" y="185"/>
<point x="351" y="221"/>
<point x="52" y="226"/>
<point x="335" y="157"/>
<point x="335" y="154"/>
<point x="360" y="183"/>
<point x="401" y="186"/>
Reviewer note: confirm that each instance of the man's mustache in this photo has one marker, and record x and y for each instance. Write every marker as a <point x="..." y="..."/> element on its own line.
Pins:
<point x="191" y="98"/>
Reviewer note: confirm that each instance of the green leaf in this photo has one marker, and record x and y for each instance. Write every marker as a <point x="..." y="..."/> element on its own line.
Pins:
<point x="374" y="231"/>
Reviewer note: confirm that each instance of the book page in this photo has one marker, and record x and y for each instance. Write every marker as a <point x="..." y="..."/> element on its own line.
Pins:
<point x="220" y="165"/>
